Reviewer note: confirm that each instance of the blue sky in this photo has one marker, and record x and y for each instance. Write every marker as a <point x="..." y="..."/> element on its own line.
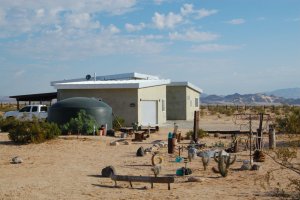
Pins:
<point x="244" y="46"/>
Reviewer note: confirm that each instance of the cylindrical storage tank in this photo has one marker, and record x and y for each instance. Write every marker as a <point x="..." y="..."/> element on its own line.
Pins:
<point x="62" y="111"/>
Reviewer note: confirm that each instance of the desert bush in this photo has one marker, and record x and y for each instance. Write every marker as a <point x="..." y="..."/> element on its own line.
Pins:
<point x="286" y="154"/>
<point x="295" y="185"/>
<point x="201" y="134"/>
<point x="116" y="121"/>
<point x="7" y="124"/>
<point x="290" y="123"/>
<point x="33" y="132"/>
<point x="81" y="124"/>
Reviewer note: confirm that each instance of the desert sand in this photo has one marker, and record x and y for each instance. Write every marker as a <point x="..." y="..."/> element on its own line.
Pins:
<point x="70" y="168"/>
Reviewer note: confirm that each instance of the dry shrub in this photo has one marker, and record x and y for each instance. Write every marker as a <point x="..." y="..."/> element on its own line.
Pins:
<point x="286" y="154"/>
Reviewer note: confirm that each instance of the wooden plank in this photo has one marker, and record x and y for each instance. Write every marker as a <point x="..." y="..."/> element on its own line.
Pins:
<point x="145" y="179"/>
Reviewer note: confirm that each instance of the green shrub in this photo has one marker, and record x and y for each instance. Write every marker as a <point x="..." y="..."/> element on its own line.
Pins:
<point x="201" y="134"/>
<point x="290" y="123"/>
<point x="117" y="122"/>
<point x="33" y="132"/>
<point x="81" y="124"/>
<point x="7" y="124"/>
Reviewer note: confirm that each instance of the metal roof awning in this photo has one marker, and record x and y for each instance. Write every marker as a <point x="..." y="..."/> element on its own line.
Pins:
<point x="36" y="97"/>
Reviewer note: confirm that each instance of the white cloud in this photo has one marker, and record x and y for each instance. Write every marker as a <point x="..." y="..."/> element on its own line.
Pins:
<point x="82" y="21"/>
<point x="237" y="21"/>
<point x="205" y="13"/>
<point x="162" y="21"/>
<point x="187" y="9"/>
<point x="115" y="7"/>
<point x="19" y="73"/>
<point x="17" y="17"/>
<point x="213" y="48"/>
<point x="195" y="36"/>
<point x="113" y="29"/>
<point x="133" y="28"/>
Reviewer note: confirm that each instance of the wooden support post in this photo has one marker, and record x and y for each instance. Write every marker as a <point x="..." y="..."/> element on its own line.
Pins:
<point x="18" y="105"/>
<point x="196" y="126"/>
<point x="259" y="131"/>
<point x="272" y="137"/>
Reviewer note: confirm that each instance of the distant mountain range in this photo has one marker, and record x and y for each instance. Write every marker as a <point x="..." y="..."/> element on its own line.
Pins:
<point x="289" y="96"/>
<point x="5" y="99"/>
<point x="289" y="93"/>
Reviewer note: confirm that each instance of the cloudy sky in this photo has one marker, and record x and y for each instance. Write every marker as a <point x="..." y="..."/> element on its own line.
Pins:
<point x="223" y="47"/>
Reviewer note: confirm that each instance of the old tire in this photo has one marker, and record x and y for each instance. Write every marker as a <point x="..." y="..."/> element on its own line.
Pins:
<point x="108" y="171"/>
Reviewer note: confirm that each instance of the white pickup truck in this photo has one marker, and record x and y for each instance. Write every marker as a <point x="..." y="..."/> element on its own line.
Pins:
<point x="27" y="113"/>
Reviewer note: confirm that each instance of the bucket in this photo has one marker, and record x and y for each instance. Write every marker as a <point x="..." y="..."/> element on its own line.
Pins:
<point x="179" y="172"/>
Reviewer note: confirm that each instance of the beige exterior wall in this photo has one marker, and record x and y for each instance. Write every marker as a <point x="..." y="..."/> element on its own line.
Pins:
<point x="191" y="96"/>
<point x="157" y="93"/>
<point x="176" y="102"/>
<point x="119" y="99"/>
<point x="181" y="102"/>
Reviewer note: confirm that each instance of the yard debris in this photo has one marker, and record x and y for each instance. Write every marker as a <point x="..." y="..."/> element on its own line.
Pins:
<point x="194" y="179"/>
<point x="259" y="156"/>
<point x="256" y="167"/>
<point x="108" y="171"/>
<point x="114" y="143"/>
<point x="156" y="159"/>
<point x="140" y="152"/>
<point x="246" y="165"/>
<point x="156" y="170"/>
<point x="16" y="160"/>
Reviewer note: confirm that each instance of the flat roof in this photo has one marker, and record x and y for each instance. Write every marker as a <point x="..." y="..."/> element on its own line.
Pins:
<point x="124" y="76"/>
<point x="116" y="84"/>
<point x="187" y="84"/>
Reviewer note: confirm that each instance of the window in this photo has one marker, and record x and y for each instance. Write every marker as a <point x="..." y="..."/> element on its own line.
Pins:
<point x="34" y="109"/>
<point x="196" y="102"/>
<point x="163" y="102"/>
<point x="25" y="109"/>
<point x="44" y="109"/>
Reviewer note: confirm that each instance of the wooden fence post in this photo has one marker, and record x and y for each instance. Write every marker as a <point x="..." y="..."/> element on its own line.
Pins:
<point x="272" y="137"/>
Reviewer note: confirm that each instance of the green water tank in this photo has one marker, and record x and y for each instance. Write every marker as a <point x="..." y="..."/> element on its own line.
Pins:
<point x="62" y="111"/>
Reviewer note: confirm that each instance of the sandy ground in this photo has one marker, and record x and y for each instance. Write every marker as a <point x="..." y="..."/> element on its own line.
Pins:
<point x="70" y="168"/>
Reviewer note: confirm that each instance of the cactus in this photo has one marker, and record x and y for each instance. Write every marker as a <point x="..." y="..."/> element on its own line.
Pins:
<point x="224" y="161"/>
<point x="205" y="161"/>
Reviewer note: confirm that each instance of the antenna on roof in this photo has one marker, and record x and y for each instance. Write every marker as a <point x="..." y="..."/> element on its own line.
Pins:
<point x="88" y="77"/>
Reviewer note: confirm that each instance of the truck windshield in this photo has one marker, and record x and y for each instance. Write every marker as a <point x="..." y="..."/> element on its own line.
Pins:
<point x="25" y="109"/>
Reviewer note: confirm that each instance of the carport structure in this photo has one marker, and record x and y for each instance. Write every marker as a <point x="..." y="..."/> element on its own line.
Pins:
<point x="41" y="97"/>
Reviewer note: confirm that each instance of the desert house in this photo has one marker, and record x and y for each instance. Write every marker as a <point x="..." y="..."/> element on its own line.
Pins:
<point x="136" y="97"/>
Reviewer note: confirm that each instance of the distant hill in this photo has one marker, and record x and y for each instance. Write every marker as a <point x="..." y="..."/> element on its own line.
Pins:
<point x="248" y="99"/>
<point x="6" y="99"/>
<point x="288" y="93"/>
